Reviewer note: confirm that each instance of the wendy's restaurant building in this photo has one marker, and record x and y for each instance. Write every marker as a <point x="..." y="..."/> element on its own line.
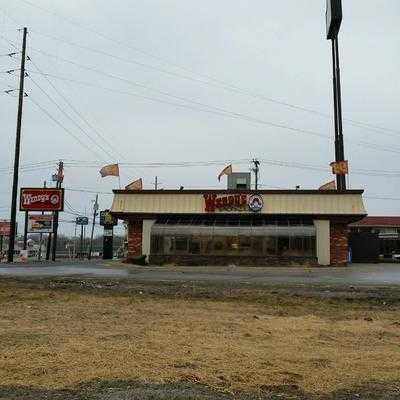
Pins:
<point x="239" y="227"/>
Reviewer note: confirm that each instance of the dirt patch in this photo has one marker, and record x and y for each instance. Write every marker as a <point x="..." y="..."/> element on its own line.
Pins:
<point x="56" y="336"/>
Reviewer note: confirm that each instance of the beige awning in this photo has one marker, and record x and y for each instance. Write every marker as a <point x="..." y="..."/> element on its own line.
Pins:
<point x="279" y="202"/>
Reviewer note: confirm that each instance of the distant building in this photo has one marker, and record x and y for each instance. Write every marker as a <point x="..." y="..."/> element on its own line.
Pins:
<point x="380" y="233"/>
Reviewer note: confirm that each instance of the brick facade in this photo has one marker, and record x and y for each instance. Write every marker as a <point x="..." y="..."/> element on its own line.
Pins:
<point x="246" y="261"/>
<point x="135" y="229"/>
<point x="339" y="244"/>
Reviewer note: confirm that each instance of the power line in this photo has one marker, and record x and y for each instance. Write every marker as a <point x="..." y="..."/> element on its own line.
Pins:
<point x="87" y="191"/>
<point x="217" y="82"/>
<point x="207" y="108"/>
<point x="78" y="113"/>
<point x="220" y="84"/>
<point x="9" y="42"/>
<point x="63" y="127"/>
<point x="71" y="119"/>
<point x="278" y="163"/>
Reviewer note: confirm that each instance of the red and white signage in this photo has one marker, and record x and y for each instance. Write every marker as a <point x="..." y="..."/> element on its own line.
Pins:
<point x="5" y="228"/>
<point x="41" y="199"/>
<point x="233" y="202"/>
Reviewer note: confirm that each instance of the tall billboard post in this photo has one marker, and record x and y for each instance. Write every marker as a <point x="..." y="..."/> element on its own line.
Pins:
<point x="108" y="221"/>
<point x="334" y="16"/>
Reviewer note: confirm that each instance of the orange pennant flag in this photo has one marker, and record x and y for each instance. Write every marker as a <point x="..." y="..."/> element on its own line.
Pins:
<point x="340" y="167"/>
<point x="135" y="185"/>
<point x="328" y="186"/>
<point x="226" y="171"/>
<point x="110" y="170"/>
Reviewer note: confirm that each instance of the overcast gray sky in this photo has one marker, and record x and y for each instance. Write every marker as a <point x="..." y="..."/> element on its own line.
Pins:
<point x="173" y="81"/>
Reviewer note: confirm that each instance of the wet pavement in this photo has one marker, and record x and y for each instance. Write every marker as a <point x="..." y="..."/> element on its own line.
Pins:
<point x="357" y="274"/>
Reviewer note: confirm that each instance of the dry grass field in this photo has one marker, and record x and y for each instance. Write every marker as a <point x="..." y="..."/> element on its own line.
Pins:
<point x="54" y="339"/>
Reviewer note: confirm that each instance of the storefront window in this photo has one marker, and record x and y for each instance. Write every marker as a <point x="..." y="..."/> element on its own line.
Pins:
<point x="181" y="244"/>
<point x="245" y="247"/>
<point x="257" y="245"/>
<point x="157" y="244"/>
<point x="284" y="238"/>
<point x="194" y="245"/>
<point x="283" y="246"/>
<point x="270" y="246"/>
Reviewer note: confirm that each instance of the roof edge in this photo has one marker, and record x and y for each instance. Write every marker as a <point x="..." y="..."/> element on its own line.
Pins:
<point x="225" y="191"/>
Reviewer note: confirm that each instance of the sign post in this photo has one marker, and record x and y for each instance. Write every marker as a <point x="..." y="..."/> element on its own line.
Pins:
<point x="108" y="221"/>
<point x="82" y="221"/>
<point x="26" y="231"/>
<point x="334" y="16"/>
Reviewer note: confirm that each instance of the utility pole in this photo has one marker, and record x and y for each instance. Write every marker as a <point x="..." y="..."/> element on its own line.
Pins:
<point x="256" y="171"/>
<point x="13" y="218"/>
<point x="95" y="209"/>
<point x="59" y="180"/>
<point x="156" y="183"/>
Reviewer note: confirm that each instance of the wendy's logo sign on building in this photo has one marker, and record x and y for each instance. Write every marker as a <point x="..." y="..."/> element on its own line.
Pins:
<point x="41" y="199"/>
<point x="233" y="202"/>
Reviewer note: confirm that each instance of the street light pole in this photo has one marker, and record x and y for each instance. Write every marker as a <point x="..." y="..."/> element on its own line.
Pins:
<point x="334" y="17"/>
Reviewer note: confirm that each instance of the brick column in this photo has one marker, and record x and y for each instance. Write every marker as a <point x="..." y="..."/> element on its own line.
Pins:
<point x="135" y="229"/>
<point x="339" y="244"/>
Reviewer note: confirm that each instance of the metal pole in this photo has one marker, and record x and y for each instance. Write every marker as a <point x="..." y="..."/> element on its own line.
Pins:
<point x="84" y="239"/>
<point x="26" y="230"/>
<point x="339" y="111"/>
<point x="256" y="171"/>
<point x="40" y="246"/>
<point x="13" y="218"/>
<point x="75" y="241"/>
<point x="95" y="208"/>
<point x="335" y="103"/>
<point x="55" y="221"/>
<point x="81" y="244"/>
<point x="41" y="235"/>
<point x="48" y="248"/>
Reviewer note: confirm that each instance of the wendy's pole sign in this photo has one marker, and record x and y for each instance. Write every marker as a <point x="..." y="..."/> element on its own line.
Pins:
<point x="41" y="199"/>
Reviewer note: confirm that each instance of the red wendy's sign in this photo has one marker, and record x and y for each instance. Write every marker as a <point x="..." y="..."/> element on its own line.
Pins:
<point x="233" y="201"/>
<point x="41" y="199"/>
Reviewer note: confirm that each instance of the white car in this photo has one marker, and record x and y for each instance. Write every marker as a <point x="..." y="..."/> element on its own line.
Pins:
<point x="396" y="256"/>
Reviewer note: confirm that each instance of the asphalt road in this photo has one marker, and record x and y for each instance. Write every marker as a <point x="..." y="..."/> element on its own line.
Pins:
<point x="357" y="274"/>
